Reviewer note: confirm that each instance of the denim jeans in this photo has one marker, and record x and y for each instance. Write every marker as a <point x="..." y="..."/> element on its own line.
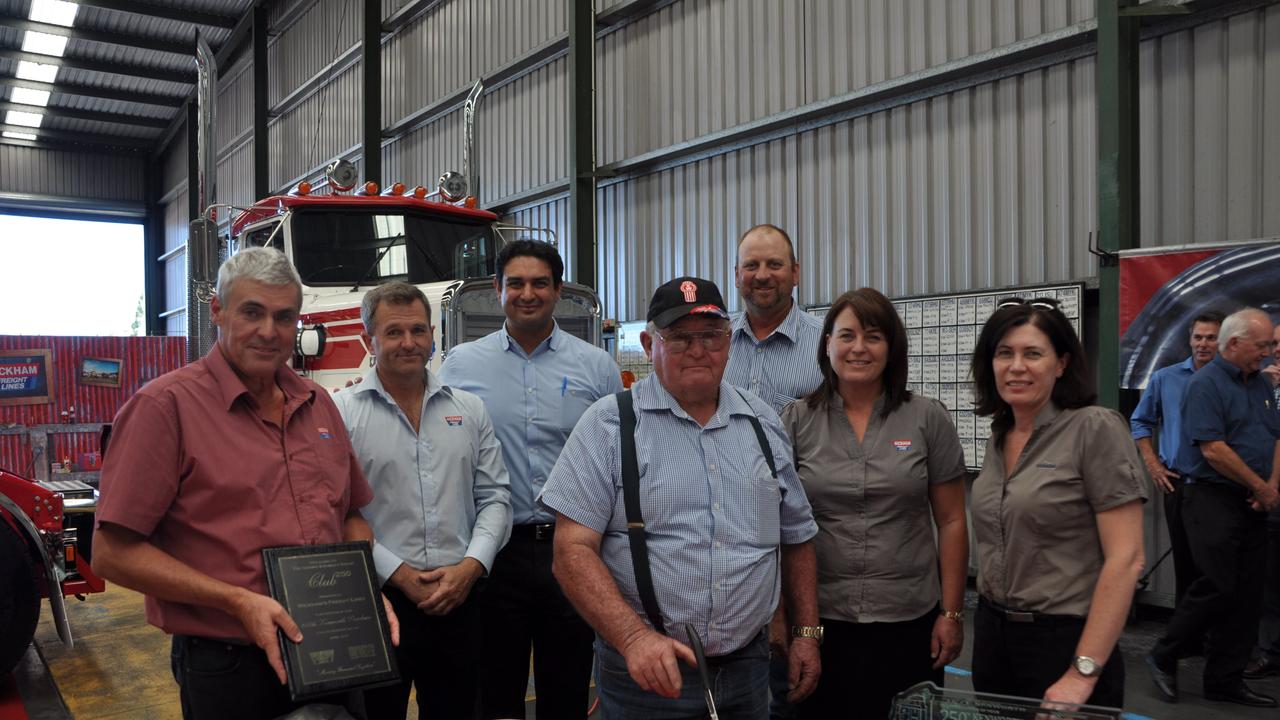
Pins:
<point x="739" y="683"/>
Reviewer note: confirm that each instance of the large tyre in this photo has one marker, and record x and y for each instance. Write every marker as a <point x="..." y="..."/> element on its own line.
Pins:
<point x="19" y="598"/>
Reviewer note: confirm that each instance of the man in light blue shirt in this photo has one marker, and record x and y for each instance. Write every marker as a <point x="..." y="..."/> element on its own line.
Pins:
<point x="1161" y="407"/>
<point x="774" y="349"/>
<point x="536" y="381"/>
<point x="441" y="506"/>
<point x="725" y="533"/>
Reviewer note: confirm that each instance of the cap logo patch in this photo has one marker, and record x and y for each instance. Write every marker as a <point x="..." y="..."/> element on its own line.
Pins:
<point x="690" y="291"/>
<point x="902" y="445"/>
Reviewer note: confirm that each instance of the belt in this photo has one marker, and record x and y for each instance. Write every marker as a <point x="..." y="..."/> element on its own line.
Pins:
<point x="538" y="531"/>
<point x="1025" y="616"/>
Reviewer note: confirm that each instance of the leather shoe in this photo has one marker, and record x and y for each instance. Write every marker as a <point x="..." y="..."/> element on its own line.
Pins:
<point x="1260" y="668"/>
<point x="1166" y="682"/>
<point x="1241" y="695"/>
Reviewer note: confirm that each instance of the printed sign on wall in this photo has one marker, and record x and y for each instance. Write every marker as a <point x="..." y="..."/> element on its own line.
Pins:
<point x="24" y="377"/>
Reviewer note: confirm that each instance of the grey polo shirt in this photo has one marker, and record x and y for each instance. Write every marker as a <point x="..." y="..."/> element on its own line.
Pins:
<point x="1037" y="531"/>
<point x="877" y="559"/>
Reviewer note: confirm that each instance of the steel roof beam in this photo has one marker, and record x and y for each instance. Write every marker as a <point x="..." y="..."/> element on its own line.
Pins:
<point x="80" y="138"/>
<point x="94" y="91"/>
<point x="167" y="13"/>
<point x="114" y="68"/>
<point x="93" y="115"/>
<point x="133" y="40"/>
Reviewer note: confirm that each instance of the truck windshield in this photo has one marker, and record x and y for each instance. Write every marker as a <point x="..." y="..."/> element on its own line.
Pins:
<point x="343" y="247"/>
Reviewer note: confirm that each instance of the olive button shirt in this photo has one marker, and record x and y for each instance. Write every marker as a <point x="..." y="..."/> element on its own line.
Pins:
<point x="1038" y="546"/>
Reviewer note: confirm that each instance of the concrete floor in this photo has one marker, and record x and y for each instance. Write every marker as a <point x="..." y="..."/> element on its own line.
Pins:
<point x="120" y="669"/>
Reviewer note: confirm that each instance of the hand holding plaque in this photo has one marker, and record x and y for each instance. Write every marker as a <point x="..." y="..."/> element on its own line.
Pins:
<point x="332" y="594"/>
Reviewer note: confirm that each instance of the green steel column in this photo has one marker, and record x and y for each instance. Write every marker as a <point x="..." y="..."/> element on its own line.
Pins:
<point x="582" y="155"/>
<point x="261" y="101"/>
<point x="371" y="73"/>
<point x="1117" y="89"/>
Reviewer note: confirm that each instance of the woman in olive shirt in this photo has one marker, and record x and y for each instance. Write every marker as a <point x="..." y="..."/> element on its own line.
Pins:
<point x="1057" y="511"/>
<point x="878" y="464"/>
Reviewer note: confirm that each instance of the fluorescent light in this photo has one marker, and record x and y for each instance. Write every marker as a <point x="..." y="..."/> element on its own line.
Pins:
<point x="27" y="96"/>
<point x="17" y="117"/>
<point x="56" y="12"/>
<point x="39" y="72"/>
<point x="44" y="43"/>
<point x="17" y="135"/>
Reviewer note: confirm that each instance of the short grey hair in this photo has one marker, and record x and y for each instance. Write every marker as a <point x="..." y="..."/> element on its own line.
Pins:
<point x="392" y="293"/>
<point x="1237" y="324"/>
<point x="267" y="265"/>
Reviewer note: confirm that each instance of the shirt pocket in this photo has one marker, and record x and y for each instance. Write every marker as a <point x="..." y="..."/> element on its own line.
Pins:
<point x="573" y="402"/>
<point x="765" y="508"/>
<point x="322" y="481"/>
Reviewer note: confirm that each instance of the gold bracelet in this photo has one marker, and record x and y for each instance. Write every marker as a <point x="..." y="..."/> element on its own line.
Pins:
<point x="957" y="615"/>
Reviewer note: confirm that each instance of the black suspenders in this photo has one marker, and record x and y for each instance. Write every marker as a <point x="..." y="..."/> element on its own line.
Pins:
<point x="631" y="499"/>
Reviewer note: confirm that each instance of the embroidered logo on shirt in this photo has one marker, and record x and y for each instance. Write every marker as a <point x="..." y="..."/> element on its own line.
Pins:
<point x="902" y="445"/>
<point x="1047" y="466"/>
<point x="324" y="433"/>
<point x="453" y="420"/>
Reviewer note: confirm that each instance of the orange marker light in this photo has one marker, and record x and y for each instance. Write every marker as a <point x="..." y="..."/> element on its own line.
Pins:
<point x="304" y="188"/>
<point x="371" y="188"/>
<point x="420" y="192"/>
<point x="470" y="201"/>
<point x="397" y="188"/>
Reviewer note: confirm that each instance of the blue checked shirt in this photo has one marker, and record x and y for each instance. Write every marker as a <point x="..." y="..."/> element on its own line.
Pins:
<point x="534" y="401"/>
<point x="714" y="514"/>
<point x="439" y="495"/>
<point x="783" y="366"/>
<point x="1161" y="406"/>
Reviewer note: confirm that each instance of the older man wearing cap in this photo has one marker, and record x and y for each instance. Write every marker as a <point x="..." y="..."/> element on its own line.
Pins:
<point x="679" y="511"/>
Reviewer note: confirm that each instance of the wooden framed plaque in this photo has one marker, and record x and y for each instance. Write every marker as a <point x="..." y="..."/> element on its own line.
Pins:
<point x="331" y="592"/>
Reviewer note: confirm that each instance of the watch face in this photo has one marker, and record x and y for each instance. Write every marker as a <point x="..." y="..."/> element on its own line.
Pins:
<point x="1086" y="666"/>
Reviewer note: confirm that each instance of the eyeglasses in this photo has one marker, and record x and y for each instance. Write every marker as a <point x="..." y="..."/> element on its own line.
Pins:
<point x="1040" y="303"/>
<point x="678" y="342"/>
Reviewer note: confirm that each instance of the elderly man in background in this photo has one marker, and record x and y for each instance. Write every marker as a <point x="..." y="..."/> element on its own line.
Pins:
<point x="720" y="503"/>
<point x="210" y="464"/>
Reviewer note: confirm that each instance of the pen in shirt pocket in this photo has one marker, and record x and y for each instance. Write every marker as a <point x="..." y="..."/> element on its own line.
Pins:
<point x="564" y="385"/>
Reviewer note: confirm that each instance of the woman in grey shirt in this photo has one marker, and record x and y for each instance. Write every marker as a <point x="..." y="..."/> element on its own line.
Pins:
<point x="1057" y="512"/>
<point x="878" y="464"/>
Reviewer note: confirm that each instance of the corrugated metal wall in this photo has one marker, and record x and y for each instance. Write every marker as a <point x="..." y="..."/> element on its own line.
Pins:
<point x="65" y="174"/>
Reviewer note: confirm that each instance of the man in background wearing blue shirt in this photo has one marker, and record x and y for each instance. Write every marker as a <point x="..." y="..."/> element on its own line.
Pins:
<point x="536" y="381"/>
<point x="1230" y="442"/>
<point x="1161" y="406"/>
<point x="723" y="522"/>
<point x="441" y="505"/>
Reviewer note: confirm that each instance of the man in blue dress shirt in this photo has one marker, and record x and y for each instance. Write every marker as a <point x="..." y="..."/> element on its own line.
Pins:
<point x="726" y="535"/>
<point x="1161" y="407"/>
<point x="1230" y="440"/>
<point x="441" y="505"/>
<point x="536" y="380"/>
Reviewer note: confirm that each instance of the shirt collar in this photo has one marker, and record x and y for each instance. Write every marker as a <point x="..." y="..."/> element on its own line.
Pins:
<point x="1232" y="370"/>
<point x="1189" y="364"/>
<point x="1047" y="415"/>
<point x="551" y="342"/>
<point x="370" y="382"/>
<point x="790" y="327"/>
<point x="295" y="389"/>
<point x="649" y="394"/>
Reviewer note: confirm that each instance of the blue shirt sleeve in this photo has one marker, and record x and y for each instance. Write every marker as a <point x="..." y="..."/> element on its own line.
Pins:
<point x="1203" y="413"/>
<point x="491" y="491"/>
<point x="1145" y="417"/>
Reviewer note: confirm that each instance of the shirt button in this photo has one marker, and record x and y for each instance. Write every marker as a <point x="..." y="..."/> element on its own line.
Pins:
<point x="716" y="506"/>
<point x="755" y="381"/>
<point x="530" y="391"/>
<point x="719" y="586"/>
<point x="719" y="544"/>
<point x="759" y="350"/>
<point x="712" y="467"/>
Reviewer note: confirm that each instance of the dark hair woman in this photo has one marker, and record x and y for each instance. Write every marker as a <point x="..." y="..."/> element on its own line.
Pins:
<point x="1057" y="512"/>
<point x="883" y="469"/>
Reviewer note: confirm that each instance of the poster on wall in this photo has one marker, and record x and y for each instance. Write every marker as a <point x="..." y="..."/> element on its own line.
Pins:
<point x="24" y="376"/>
<point x="1161" y="291"/>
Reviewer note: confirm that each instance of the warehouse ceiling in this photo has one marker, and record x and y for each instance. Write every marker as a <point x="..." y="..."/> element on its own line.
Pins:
<point x="104" y="75"/>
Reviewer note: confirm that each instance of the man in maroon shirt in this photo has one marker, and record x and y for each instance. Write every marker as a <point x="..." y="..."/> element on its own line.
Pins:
<point x="208" y="465"/>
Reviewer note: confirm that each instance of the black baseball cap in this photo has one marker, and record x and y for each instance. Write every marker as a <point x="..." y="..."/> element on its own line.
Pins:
<point x="685" y="296"/>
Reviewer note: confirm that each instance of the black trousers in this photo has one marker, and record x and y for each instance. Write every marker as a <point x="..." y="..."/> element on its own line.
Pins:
<point x="1184" y="566"/>
<point x="439" y="655"/>
<point x="219" y="680"/>
<point x="522" y="606"/>
<point x="1024" y="659"/>
<point x="865" y="664"/>
<point x="1269" y="626"/>
<point x="1228" y="543"/>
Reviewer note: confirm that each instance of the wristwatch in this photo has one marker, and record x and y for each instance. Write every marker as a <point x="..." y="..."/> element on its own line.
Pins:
<point x="1087" y="666"/>
<point x="808" y="631"/>
<point x="957" y="615"/>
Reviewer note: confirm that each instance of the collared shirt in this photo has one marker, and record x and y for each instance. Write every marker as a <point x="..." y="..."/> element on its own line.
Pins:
<point x="713" y="512"/>
<point x="783" y="366"/>
<point x="1037" y="530"/>
<point x="195" y="470"/>
<point x="1222" y="404"/>
<point x="877" y="559"/>
<point x="1161" y="405"/>
<point x="440" y="494"/>
<point x="534" y="400"/>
